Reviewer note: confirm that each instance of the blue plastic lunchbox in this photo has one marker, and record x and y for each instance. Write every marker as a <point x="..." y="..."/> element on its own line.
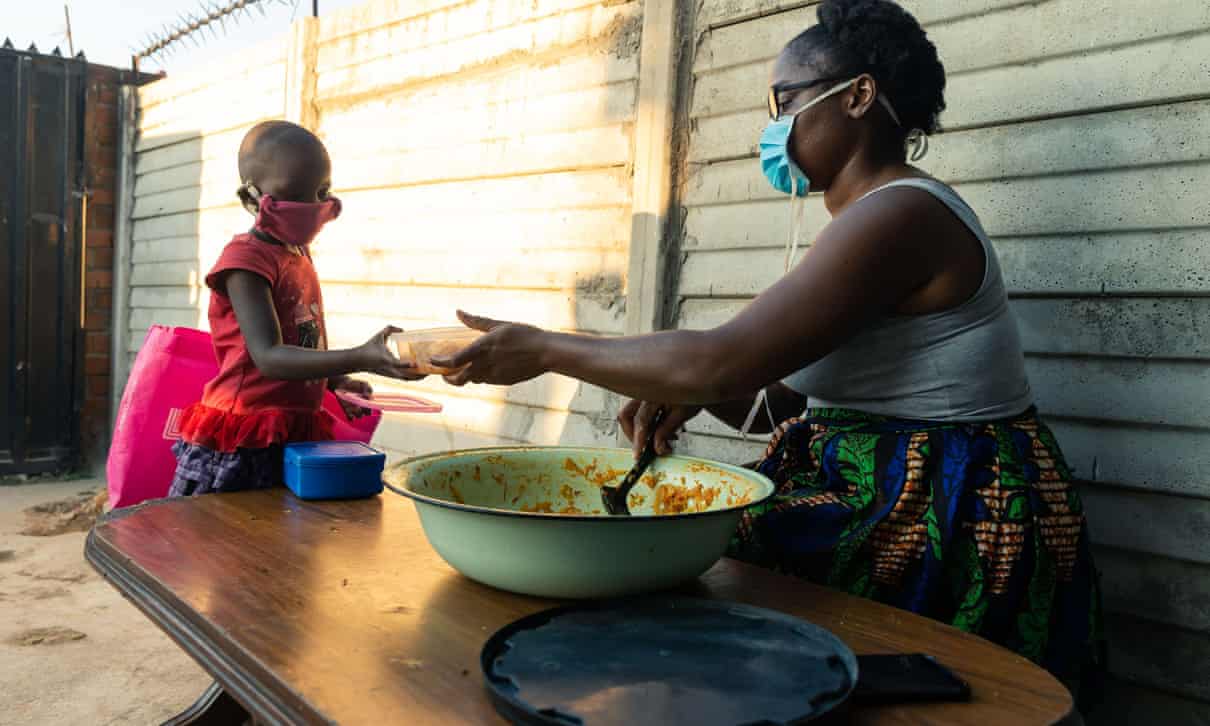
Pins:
<point x="334" y="470"/>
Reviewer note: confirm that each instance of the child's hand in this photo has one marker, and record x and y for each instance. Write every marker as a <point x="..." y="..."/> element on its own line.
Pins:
<point x="361" y="388"/>
<point x="377" y="357"/>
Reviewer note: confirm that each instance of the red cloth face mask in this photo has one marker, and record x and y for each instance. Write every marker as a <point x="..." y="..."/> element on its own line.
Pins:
<point x="295" y="223"/>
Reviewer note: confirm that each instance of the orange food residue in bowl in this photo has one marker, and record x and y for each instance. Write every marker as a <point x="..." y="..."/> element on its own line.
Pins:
<point x="570" y="494"/>
<point x="682" y="500"/>
<point x="548" y="507"/>
<point x="738" y="500"/>
<point x="565" y="492"/>
<point x="654" y="479"/>
<point x="520" y="493"/>
<point x="593" y="473"/>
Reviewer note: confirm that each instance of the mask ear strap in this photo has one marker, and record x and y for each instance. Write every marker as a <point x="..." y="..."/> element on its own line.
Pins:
<point x="762" y="398"/>
<point x="251" y="202"/>
<point x="798" y="206"/>
<point x="889" y="109"/>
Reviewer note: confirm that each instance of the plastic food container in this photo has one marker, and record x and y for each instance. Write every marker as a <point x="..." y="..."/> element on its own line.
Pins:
<point x="421" y="346"/>
<point x="334" y="470"/>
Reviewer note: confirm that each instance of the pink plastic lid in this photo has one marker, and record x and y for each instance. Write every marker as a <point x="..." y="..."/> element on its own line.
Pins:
<point x="393" y="402"/>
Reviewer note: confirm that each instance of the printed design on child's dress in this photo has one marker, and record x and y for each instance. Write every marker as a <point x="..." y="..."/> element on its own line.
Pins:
<point x="306" y="320"/>
<point x="310" y="334"/>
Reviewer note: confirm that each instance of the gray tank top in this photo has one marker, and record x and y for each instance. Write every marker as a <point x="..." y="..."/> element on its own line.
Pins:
<point x="961" y="364"/>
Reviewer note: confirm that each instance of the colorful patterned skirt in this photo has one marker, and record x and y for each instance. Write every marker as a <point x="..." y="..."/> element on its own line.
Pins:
<point x="975" y="525"/>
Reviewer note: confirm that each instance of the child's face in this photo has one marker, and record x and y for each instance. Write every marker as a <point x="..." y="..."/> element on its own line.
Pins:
<point x="298" y="176"/>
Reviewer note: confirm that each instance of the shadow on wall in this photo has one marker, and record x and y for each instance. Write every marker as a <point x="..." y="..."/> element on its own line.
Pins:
<point x="482" y="175"/>
<point x="173" y="233"/>
<point x="559" y="285"/>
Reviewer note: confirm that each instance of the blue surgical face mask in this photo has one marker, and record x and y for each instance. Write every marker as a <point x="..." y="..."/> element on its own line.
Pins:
<point x="775" y="159"/>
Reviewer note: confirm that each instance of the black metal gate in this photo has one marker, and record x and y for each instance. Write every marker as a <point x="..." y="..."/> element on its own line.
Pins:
<point x="41" y="265"/>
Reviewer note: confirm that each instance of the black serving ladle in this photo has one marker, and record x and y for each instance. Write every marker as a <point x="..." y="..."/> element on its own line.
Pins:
<point x="615" y="497"/>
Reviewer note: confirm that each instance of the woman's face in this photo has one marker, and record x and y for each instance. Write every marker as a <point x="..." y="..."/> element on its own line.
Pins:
<point x="823" y="135"/>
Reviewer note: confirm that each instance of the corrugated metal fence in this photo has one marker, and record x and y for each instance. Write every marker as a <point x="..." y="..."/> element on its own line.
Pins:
<point x="1078" y="131"/>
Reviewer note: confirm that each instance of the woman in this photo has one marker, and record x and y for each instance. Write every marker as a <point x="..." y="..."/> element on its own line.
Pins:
<point x="919" y="475"/>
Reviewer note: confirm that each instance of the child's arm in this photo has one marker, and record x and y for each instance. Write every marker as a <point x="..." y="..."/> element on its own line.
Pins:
<point x="252" y="300"/>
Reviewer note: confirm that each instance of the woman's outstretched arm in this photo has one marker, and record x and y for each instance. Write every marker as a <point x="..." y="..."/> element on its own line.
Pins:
<point x="865" y="264"/>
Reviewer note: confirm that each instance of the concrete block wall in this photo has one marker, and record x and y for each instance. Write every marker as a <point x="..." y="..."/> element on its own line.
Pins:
<point x="483" y="153"/>
<point x="1077" y="131"/>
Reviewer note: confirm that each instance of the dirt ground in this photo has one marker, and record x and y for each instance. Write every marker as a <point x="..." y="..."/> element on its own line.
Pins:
<point x="72" y="650"/>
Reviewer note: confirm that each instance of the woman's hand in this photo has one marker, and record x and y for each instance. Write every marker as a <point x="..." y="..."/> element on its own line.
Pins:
<point x="376" y="356"/>
<point x="507" y="353"/>
<point x="635" y="418"/>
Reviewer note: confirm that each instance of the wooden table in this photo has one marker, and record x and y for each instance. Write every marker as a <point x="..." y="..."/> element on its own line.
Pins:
<point x="341" y="612"/>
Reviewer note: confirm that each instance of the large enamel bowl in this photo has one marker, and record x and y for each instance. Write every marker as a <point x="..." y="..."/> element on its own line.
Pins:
<point x="530" y="519"/>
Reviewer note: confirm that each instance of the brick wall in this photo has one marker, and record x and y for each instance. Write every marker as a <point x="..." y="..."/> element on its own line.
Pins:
<point x="100" y="178"/>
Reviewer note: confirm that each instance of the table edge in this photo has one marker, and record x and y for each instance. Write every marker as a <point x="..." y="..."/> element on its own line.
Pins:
<point x="197" y="638"/>
<point x="188" y="633"/>
<point x="1072" y="716"/>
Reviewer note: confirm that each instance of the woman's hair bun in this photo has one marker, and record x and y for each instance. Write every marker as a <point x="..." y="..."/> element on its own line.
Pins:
<point x="880" y="38"/>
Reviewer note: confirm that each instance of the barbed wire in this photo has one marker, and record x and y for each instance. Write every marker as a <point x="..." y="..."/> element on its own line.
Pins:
<point x="212" y="18"/>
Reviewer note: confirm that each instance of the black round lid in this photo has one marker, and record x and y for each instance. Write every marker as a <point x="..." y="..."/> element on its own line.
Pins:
<point x="667" y="660"/>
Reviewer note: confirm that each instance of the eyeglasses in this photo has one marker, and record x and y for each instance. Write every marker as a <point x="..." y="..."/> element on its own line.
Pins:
<point x="775" y="92"/>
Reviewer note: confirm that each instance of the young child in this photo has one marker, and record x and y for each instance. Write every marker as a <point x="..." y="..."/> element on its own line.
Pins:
<point x="266" y="316"/>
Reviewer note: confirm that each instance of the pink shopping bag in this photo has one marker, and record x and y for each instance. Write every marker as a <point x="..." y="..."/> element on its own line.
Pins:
<point x="168" y="376"/>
